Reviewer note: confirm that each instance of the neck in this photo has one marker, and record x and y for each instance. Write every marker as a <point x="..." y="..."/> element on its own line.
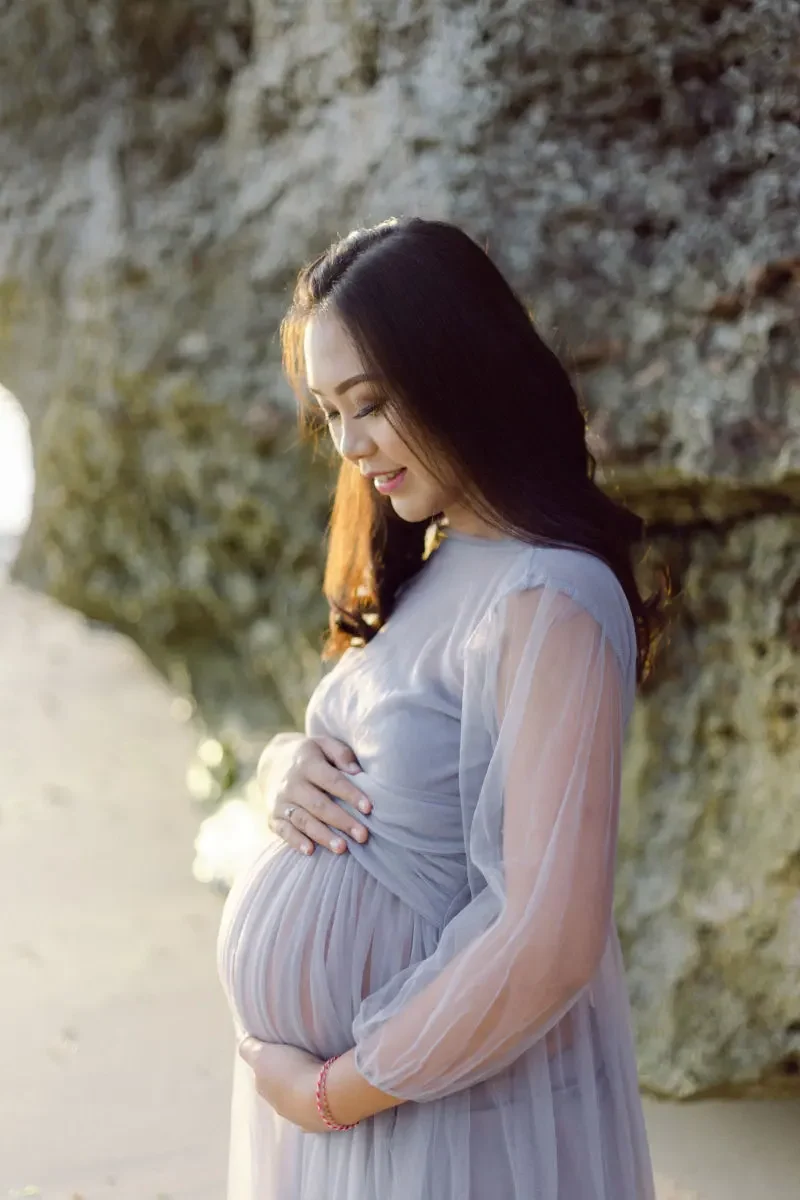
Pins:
<point x="462" y="520"/>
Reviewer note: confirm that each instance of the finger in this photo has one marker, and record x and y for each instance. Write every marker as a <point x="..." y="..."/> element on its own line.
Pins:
<point x="339" y="754"/>
<point x="249" y="1049"/>
<point x="320" y="806"/>
<point x="331" y="779"/>
<point x="316" y="831"/>
<point x="293" y="837"/>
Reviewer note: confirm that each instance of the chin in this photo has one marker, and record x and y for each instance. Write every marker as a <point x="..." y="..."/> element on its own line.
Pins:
<point x="408" y="509"/>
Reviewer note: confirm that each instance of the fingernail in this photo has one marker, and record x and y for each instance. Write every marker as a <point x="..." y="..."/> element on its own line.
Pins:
<point x="337" y="844"/>
<point x="306" y="849"/>
<point x="358" y="832"/>
<point x="365" y="806"/>
<point x="352" y="768"/>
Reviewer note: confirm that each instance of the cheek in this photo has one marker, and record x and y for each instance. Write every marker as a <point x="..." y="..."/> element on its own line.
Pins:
<point x="395" y="448"/>
<point x="429" y="491"/>
<point x="392" y="445"/>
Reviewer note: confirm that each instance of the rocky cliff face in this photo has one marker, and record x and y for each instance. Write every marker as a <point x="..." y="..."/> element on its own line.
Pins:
<point x="634" y="168"/>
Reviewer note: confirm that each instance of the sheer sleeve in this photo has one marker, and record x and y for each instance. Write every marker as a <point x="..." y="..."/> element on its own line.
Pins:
<point x="546" y="693"/>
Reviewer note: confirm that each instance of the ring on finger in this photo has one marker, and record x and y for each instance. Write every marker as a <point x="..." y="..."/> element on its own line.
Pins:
<point x="288" y="811"/>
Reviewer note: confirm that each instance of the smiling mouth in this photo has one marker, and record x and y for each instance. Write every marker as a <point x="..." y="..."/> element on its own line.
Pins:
<point x="389" y="481"/>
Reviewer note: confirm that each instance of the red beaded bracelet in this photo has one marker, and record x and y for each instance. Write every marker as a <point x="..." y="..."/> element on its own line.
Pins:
<point x="321" y="1093"/>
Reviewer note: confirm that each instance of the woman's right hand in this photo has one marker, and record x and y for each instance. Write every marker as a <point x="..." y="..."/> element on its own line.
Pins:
<point x="295" y="773"/>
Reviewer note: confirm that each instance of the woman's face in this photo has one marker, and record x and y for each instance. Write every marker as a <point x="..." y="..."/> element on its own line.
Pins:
<point x="360" y="429"/>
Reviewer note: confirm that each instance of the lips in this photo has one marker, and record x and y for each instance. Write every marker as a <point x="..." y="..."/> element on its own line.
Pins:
<point x="389" y="481"/>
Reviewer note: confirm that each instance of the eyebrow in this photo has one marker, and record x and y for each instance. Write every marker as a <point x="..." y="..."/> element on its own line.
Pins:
<point x="346" y="384"/>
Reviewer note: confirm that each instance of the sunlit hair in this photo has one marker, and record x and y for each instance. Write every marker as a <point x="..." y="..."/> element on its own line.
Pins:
<point x="479" y="397"/>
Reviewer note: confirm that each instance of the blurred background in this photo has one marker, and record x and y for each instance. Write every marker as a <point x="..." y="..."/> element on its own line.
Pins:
<point x="166" y="167"/>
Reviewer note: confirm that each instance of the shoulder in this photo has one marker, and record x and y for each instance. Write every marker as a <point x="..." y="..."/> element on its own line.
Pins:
<point x="582" y="576"/>
<point x="587" y="583"/>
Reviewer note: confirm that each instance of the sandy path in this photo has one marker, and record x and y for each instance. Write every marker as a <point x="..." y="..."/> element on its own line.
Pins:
<point x="115" y="1043"/>
<point x="115" y="1050"/>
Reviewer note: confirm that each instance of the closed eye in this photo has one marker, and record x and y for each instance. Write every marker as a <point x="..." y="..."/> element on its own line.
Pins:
<point x="332" y="415"/>
<point x="368" y="410"/>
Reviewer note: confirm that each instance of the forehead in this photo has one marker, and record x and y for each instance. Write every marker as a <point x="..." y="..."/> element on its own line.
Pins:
<point x="330" y="357"/>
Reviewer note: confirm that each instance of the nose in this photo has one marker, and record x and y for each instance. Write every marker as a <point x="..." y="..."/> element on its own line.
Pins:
<point x="354" y="441"/>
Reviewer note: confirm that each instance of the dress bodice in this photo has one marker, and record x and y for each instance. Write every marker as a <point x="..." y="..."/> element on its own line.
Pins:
<point x="397" y="703"/>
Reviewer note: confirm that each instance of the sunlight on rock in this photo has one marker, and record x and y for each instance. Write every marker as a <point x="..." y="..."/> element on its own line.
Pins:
<point x="227" y="840"/>
<point x="181" y="709"/>
<point x="212" y="752"/>
<point x="16" y="476"/>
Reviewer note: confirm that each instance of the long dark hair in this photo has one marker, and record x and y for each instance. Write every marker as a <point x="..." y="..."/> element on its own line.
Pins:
<point x="480" y="398"/>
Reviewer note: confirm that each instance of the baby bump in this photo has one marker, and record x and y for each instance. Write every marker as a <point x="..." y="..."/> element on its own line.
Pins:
<point x="303" y="940"/>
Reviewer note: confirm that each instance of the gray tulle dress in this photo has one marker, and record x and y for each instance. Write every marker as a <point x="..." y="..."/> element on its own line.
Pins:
<point x="467" y="949"/>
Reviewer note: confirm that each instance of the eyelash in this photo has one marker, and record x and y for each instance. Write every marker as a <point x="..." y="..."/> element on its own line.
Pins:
<point x="365" y="412"/>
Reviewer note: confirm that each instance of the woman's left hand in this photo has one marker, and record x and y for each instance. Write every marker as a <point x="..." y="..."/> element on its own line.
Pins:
<point x="286" y="1078"/>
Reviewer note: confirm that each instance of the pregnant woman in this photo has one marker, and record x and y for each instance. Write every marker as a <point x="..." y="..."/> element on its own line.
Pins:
<point x="424" y="974"/>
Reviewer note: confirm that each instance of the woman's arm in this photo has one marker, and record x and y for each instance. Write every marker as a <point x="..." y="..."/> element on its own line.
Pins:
<point x="544" y="836"/>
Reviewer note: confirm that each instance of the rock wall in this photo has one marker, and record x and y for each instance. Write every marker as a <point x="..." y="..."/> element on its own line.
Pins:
<point x="634" y="168"/>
